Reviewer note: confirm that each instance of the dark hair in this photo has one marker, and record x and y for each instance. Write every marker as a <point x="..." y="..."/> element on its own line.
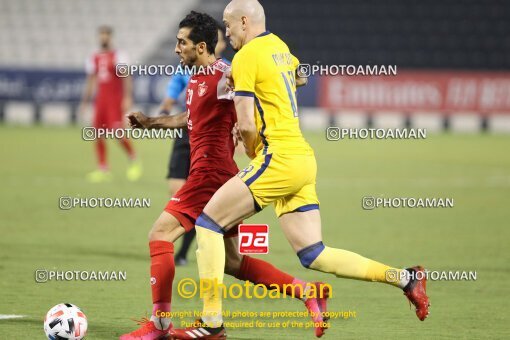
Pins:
<point x="203" y="29"/>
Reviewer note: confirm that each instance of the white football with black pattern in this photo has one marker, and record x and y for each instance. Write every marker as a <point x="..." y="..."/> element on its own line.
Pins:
<point x="65" y="321"/>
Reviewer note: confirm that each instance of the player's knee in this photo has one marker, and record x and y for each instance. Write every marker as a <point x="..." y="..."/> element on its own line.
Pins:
<point x="205" y="221"/>
<point x="157" y="232"/>
<point x="163" y="230"/>
<point x="308" y="255"/>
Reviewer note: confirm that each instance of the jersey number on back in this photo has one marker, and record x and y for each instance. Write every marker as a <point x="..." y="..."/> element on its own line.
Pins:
<point x="290" y="83"/>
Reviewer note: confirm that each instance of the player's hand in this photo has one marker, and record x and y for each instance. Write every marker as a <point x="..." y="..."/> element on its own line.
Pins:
<point x="127" y="103"/>
<point x="301" y="81"/>
<point x="230" y="81"/>
<point x="137" y="120"/>
<point x="236" y="134"/>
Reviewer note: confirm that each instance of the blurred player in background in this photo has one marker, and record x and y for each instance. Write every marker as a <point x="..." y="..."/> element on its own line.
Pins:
<point x="282" y="172"/>
<point x="113" y="98"/>
<point x="178" y="166"/>
<point x="210" y="117"/>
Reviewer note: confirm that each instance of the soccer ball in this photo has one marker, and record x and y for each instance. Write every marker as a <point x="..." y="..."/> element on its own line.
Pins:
<point x="65" y="321"/>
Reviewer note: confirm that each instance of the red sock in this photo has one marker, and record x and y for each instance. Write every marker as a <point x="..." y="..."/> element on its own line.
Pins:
<point x="101" y="153"/>
<point x="126" y="145"/>
<point x="162" y="274"/>
<point x="261" y="272"/>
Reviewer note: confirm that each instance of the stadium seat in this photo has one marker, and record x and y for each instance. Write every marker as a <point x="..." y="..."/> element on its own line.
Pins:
<point x="437" y="28"/>
<point x="62" y="33"/>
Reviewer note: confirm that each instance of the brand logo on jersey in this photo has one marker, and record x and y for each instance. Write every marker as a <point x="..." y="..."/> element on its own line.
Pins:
<point x="153" y="280"/>
<point x="253" y="239"/>
<point x="202" y="89"/>
<point x="245" y="171"/>
<point x="175" y="199"/>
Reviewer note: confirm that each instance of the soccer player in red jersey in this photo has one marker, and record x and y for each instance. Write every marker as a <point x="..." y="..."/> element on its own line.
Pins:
<point x="210" y="119"/>
<point x="113" y="98"/>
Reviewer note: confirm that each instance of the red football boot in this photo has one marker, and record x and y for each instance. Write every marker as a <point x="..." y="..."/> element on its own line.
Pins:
<point x="147" y="331"/>
<point x="198" y="331"/>
<point x="317" y="306"/>
<point x="415" y="291"/>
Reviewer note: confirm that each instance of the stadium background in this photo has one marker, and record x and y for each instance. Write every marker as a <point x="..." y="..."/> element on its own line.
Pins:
<point x="453" y="64"/>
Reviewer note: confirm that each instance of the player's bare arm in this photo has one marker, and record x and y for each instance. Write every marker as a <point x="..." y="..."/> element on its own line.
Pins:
<point x="88" y="90"/>
<point x="236" y="135"/>
<point x="138" y="120"/>
<point x="246" y="123"/>
<point x="127" y="100"/>
<point x="229" y="84"/>
<point x="301" y="81"/>
<point x="166" y="105"/>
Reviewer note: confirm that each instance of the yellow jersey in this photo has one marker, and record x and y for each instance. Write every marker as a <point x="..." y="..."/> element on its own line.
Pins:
<point x="265" y="69"/>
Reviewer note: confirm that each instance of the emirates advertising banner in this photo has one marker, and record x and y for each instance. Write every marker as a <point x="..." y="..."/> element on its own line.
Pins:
<point x="447" y="92"/>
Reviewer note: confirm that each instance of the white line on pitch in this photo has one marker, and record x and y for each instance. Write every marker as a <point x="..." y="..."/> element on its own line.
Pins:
<point x="10" y="316"/>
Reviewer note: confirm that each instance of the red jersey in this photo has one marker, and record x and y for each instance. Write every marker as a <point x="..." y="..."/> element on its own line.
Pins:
<point x="103" y="65"/>
<point x="211" y="117"/>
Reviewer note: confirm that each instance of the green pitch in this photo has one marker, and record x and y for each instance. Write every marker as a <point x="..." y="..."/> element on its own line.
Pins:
<point x="41" y="164"/>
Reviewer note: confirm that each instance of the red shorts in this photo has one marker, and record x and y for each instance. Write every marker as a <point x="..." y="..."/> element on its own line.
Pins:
<point x="189" y="202"/>
<point x="108" y="113"/>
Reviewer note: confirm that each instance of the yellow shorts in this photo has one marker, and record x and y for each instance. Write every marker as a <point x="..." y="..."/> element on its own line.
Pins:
<point x="286" y="180"/>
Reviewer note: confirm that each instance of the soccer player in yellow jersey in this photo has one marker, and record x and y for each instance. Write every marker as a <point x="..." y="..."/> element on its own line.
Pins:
<point x="282" y="172"/>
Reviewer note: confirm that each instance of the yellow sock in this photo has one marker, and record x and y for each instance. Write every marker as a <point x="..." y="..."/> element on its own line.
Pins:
<point x="211" y="266"/>
<point x="344" y="263"/>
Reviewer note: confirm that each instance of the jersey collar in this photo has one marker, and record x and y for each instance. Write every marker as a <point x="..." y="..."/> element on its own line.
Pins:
<point x="263" y="34"/>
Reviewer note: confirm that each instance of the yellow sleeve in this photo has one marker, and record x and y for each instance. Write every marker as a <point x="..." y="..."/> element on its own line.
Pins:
<point x="295" y="62"/>
<point x="244" y="71"/>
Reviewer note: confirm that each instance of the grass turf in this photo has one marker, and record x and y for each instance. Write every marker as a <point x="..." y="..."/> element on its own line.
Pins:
<point x="41" y="164"/>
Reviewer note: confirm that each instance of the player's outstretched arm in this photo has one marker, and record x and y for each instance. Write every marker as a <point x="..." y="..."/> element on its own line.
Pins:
<point x="166" y="106"/>
<point x="138" y="120"/>
<point x="127" y="100"/>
